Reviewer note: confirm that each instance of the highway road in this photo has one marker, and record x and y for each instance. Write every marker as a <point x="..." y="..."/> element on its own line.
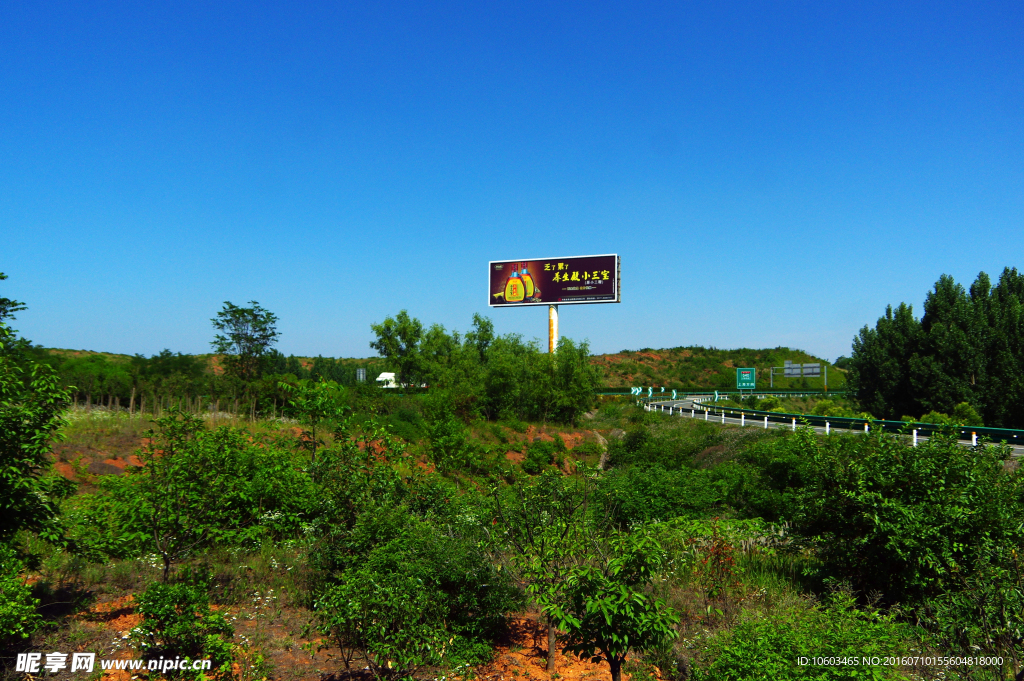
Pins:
<point x="688" y="408"/>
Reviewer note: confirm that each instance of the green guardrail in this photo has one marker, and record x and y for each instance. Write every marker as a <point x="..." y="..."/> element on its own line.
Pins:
<point x="1006" y="435"/>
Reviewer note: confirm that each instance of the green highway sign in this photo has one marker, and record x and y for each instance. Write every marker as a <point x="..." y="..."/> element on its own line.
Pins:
<point x="746" y="379"/>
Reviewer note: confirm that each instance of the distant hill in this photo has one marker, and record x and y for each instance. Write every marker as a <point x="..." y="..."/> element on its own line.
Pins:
<point x="700" y="367"/>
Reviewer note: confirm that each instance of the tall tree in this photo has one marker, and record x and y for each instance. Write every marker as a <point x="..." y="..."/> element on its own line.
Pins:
<point x="398" y="341"/>
<point x="879" y="364"/>
<point x="32" y="404"/>
<point x="967" y="348"/>
<point x="246" y="335"/>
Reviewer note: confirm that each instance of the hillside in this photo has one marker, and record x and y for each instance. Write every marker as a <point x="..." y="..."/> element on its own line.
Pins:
<point x="700" y="367"/>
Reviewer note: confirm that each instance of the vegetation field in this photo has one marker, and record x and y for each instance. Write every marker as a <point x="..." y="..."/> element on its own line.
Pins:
<point x="506" y="522"/>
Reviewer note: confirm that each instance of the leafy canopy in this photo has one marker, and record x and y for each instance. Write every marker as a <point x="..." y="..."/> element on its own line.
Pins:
<point x="245" y="336"/>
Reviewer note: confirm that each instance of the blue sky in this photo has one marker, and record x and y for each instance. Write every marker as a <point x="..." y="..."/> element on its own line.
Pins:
<point x="770" y="173"/>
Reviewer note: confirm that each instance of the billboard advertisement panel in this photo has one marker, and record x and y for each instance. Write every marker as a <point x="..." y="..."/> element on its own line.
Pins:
<point x="554" y="281"/>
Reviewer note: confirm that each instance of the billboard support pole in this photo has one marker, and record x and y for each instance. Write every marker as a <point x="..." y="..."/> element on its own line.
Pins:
<point x="552" y="328"/>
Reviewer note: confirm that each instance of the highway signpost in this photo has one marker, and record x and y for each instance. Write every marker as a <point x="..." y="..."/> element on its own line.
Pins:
<point x="746" y="378"/>
<point x="791" y="370"/>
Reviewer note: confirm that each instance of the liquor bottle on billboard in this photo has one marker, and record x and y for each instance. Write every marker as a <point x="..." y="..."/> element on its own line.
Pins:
<point x="528" y="281"/>
<point x="515" y="290"/>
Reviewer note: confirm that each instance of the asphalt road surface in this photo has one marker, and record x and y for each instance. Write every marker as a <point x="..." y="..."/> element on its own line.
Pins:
<point x="686" y="406"/>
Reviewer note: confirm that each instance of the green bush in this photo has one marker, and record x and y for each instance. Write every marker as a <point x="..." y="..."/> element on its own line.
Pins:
<point x="936" y="418"/>
<point x="450" y="447"/>
<point x="416" y="597"/>
<point x="671" y="448"/>
<point x="965" y="415"/>
<point x="18" y="616"/>
<point x="515" y="424"/>
<point x="539" y="455"/>
<point x="199" y="488"/>
<point x="635" y="495"/>
<point x="907" y="522"/>
<point x="177" y="622"/>
<point x="767" y="648"/>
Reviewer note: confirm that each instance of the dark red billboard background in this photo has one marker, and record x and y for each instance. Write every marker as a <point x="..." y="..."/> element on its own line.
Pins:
<point x="554" y="281"/>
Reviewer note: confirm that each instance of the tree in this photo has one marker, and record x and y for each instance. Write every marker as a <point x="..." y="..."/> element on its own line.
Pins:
<point x="968" y="347"/>
<point x="246" y="335"/>
<point x="32" y="403"/>
<point x="398" y="340"/>
<point x="544" y="522"/>
<point x="607" y="611"/>
<point x="880" y="363"/>
<point x="315" y="402"/>
<point x="7" y="309"/>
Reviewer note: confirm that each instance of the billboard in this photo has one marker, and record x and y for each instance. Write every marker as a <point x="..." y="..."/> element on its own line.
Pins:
<point x="554" y="281"/>
<point x="746" y="379"/>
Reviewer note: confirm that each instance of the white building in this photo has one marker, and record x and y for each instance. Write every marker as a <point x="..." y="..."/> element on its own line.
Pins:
<point x="387" y="380"/>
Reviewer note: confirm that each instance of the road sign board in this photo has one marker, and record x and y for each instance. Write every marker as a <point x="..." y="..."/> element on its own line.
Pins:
<point x="746" y="378"/>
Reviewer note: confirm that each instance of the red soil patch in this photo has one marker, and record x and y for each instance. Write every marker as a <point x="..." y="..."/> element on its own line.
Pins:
<point x="118" y="614"/>
<point x="525" y="655"/>
<point x="650" y="355"/>
<point x="65" y="469"/>
<point x="514" y="457"/>
<point x="571" y="439"/>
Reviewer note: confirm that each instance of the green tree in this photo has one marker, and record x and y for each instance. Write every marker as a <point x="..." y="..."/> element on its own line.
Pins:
<point x="880" y="363"/>
<point x="198" y="488"/>
<point x="178" y="622"/>
<point x="7" y="309"/>
<point x="544" y="522"/>
<point x="316" y="403"/>
<point x="18" y="616"/>
<point x="245" y="336"/>
<point x="608" y="610"/>
<point x="32" y="405"/>
<point x="967" y="348"/>
<point x="398" y="341"/>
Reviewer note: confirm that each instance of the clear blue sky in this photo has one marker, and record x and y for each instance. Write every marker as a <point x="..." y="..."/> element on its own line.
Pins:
<point x="771" y="173"/>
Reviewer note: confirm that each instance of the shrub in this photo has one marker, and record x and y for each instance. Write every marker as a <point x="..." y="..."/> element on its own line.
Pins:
<point x="671" y="448"/>
<point x="177" y="622"/>
<point x="635" y="495"/>
<point x="198" y="488"/>
<point x="18" y="616"/>
<point x="936" y="418"/>
<point x="416" y="597"/>
<point x="608" y="610"/>
<point x="761" y="648"/>
<point x="965" y="415"/>
<point x="539" y="455"/>
<point x="907" y="522"/>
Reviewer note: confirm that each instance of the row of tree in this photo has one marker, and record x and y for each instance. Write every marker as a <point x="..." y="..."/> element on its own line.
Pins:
<point x="488" y="375"/>
<point x="150" y="384"/>
<point x="968" y="347"/>
<point x="484" y="374"/>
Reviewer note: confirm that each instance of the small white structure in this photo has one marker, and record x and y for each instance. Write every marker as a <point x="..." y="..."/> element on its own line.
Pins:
<point x="387" y="380"/>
